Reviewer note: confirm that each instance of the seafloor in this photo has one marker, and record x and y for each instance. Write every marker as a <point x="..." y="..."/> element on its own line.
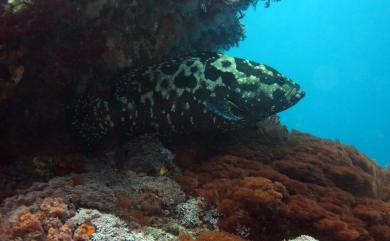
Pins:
<point x="265" y="185"/>
<point x="257" y="185"/>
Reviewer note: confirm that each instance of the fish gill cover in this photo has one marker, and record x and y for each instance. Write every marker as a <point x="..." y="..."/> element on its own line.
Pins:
<point x="259" y="183"/>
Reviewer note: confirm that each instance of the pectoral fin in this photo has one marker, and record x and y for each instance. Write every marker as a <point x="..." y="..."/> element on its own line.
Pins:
<point x="222" y="108"/>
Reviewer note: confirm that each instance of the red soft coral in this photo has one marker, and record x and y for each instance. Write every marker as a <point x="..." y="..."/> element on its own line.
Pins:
<point x="302" y="184"/>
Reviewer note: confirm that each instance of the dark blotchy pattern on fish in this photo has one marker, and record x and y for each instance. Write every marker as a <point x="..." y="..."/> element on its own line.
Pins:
<point x="195" y="93"/>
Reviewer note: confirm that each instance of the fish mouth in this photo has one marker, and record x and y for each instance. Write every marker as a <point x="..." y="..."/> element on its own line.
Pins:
<point x="295" y="94"/>
<point x="300" y="94"/>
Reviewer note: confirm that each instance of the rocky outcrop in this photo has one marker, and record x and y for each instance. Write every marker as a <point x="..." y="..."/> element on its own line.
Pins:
<point x="52" y="50"/>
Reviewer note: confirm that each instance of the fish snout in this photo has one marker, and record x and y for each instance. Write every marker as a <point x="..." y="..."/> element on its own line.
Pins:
<point x="296" y="94"/>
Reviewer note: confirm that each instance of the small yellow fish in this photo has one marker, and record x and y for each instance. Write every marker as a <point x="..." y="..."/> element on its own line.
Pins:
<point x="163" y="170"/>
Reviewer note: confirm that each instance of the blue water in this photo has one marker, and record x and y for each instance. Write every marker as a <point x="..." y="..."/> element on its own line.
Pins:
<point x="339" y="51"/>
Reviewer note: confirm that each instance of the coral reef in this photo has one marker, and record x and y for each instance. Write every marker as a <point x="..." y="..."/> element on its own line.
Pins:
<point x="32" y="223"/>
<point x="107" y="226"/>
<point x="47" y="211"/>
<point x="239" y="189"/>
<point x="105" y="203"/>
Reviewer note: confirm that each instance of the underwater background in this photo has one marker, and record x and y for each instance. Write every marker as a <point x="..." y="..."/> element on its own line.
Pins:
<point x="339" y="52"/>
<point x="122" y="120"/>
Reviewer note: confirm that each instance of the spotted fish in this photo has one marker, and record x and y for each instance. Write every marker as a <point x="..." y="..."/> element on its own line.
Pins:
<point x="195" y="93"/>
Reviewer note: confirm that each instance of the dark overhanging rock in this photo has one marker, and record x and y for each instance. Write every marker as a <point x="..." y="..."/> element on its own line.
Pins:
<point x="50" y="50"/>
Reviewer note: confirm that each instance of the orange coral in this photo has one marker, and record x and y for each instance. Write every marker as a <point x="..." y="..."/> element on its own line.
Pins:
<point x="88" y="229"/>
<point x="84" y="232"/>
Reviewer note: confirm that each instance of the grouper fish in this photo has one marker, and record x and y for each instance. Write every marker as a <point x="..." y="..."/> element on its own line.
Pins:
<point x="200" y="92"/>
